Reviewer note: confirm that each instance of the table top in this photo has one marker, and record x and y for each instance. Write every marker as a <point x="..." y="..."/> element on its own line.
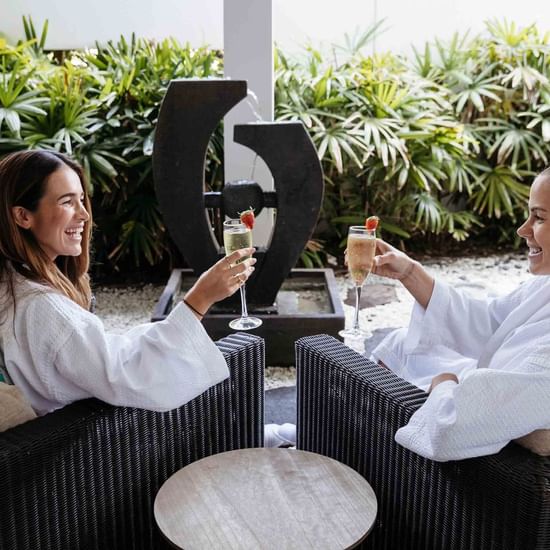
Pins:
<point x="265" y="498"/>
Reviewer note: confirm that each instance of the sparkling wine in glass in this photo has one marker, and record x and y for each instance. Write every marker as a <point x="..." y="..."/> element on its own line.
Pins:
<point x="361" y="250"/>
<point x="236" y="236"/>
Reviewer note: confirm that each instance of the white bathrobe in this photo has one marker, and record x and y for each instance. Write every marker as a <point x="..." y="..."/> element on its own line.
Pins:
<point x="56" y="352"/>
<point x="500" y="351"/>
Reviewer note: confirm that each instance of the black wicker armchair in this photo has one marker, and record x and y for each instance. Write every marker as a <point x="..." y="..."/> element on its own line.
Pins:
<point x="85" y="476"/>
<point x="349" y="409"/>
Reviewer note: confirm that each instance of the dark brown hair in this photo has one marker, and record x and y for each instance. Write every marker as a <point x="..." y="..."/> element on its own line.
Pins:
<point x="23" y="181"/>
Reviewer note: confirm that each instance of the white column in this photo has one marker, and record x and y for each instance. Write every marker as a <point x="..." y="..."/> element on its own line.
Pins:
<point x="248" y="55"/>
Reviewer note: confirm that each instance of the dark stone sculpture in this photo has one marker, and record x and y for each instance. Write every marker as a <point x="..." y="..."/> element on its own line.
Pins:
<point x="308" y="303"/>
<point x="190" y="112"/>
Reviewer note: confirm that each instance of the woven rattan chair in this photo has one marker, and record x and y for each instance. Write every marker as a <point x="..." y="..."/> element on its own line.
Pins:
<point x="85" y="476"/>
<point x="349" y="409"/>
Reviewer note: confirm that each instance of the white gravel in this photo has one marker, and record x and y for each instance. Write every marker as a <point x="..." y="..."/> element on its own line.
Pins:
<point x="124" y="307"/>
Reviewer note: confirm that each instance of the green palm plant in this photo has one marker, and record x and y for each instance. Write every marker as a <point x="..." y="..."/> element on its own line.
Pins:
<point x="508" y="34"/>
<point x="501" y="191"/>
<point x="472" y="88"/>
<point x="130" y="80"/>
<point x="441" y="145"/>
<point x="35" y="44"/>
<point x="355" y="43"/>
<point x="496" y="90"/>
<point x="510" y="140"/>
<point x="16" y="100"/>
<point x="398" y="135"/>
<point x="540" y="116"/>
<point x="101" y="106"/>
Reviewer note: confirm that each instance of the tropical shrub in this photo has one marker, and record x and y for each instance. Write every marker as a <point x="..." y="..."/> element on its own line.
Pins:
<point x="441" y="145"/>
<point x="101" y="106"/>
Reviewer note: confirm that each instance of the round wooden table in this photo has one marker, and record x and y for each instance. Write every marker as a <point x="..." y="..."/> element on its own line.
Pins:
<point x="265" y="498"/>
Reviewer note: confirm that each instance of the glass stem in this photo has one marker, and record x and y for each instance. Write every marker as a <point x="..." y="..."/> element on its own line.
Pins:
<point x="356" y="314"/>
<point x="244" y="310"/>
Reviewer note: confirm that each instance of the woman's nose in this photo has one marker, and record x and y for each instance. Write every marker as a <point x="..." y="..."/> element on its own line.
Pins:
<point x="524" y="230"/>
<point x="83" y="213"/>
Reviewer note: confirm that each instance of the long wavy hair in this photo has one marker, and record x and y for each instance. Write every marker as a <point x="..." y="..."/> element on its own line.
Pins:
<point x="23" y="182"/>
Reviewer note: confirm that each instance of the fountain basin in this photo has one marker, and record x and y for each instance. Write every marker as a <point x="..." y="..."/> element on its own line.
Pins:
<point x="307" y="303"/>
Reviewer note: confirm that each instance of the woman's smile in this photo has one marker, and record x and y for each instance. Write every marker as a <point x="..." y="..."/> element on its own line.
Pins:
<point x="75" y="234"/>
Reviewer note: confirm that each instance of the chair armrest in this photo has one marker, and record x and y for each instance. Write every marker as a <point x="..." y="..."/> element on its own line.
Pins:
<point x="86" y="475"/>
<point x="379" y="393"/>
<point x="349" y="409"/>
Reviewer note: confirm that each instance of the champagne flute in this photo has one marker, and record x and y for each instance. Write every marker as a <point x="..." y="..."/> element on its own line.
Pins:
<point x="237" y="235"/>
<point x="361" y="251"/>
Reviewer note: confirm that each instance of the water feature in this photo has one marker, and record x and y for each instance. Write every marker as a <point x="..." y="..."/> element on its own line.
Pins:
<point x="190" y="112"/>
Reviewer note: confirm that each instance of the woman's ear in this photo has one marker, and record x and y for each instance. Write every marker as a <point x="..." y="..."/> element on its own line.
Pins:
<point x="22" y="217"/>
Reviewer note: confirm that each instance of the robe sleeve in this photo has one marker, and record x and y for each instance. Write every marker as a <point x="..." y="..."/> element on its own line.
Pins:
<point x="157" y="366"/>
<point x="482" y="414"/>
<point x="457" y="320"/>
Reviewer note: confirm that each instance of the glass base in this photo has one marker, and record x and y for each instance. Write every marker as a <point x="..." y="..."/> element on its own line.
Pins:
<point x="354" y="333"/>
<point x="245" y="323"/>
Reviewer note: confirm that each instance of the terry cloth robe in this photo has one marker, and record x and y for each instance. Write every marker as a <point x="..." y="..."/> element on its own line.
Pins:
<point x="57" y="352"/>
<point x="500" y="351"/>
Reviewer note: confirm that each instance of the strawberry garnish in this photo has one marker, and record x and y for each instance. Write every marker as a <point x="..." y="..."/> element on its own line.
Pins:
<point x="371" y="223"/>
<point x="247" y="217"/>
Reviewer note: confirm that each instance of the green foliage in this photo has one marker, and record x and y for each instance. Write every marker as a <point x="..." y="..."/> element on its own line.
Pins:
<point x="445" y="143"/>
<point x="101" y="106"/>
<point x="440" y="146"/>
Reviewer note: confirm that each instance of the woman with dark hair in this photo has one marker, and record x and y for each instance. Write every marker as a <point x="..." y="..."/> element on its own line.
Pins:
<point x="51" y="347"/>
<point x="23" y="183"/>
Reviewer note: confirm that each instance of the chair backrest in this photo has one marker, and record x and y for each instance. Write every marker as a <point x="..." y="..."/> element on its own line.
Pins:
<point x="85" y="476"/>
<point x="349" y="409"/>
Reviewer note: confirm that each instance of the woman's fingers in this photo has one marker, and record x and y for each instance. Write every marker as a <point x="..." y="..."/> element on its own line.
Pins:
<point x="233" y="258"/>
<point x="383" y="251"/>
<point x="223" y="279"/>
<point x="382" y="246"/>
<point x="239" y="273"/>
<point x="245" y="269"/>
<point x="383" y="259"/>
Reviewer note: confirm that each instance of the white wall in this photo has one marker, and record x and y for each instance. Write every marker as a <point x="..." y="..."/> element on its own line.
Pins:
<point x="406" y="22"/>
<point x="78" y="23"/>
<point x="74" y="24"/>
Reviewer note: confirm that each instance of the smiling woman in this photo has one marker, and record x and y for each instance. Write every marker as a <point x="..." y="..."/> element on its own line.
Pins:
<point x="51" y="347"/>
<point x="484" y="363"/>
<point x="58" y="222"/>
<point x="38" y="192"/>
<point x="536" y="229"/>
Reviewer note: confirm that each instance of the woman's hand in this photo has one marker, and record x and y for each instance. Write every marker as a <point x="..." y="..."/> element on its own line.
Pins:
<point x="223" y="279"/>
<point x="440" y="378"/>
<point x="395" y="264"/>
<point x="390" y="262"/>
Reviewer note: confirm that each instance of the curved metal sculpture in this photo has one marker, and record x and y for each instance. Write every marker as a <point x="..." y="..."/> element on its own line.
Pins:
<point x="189" y="114"/>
